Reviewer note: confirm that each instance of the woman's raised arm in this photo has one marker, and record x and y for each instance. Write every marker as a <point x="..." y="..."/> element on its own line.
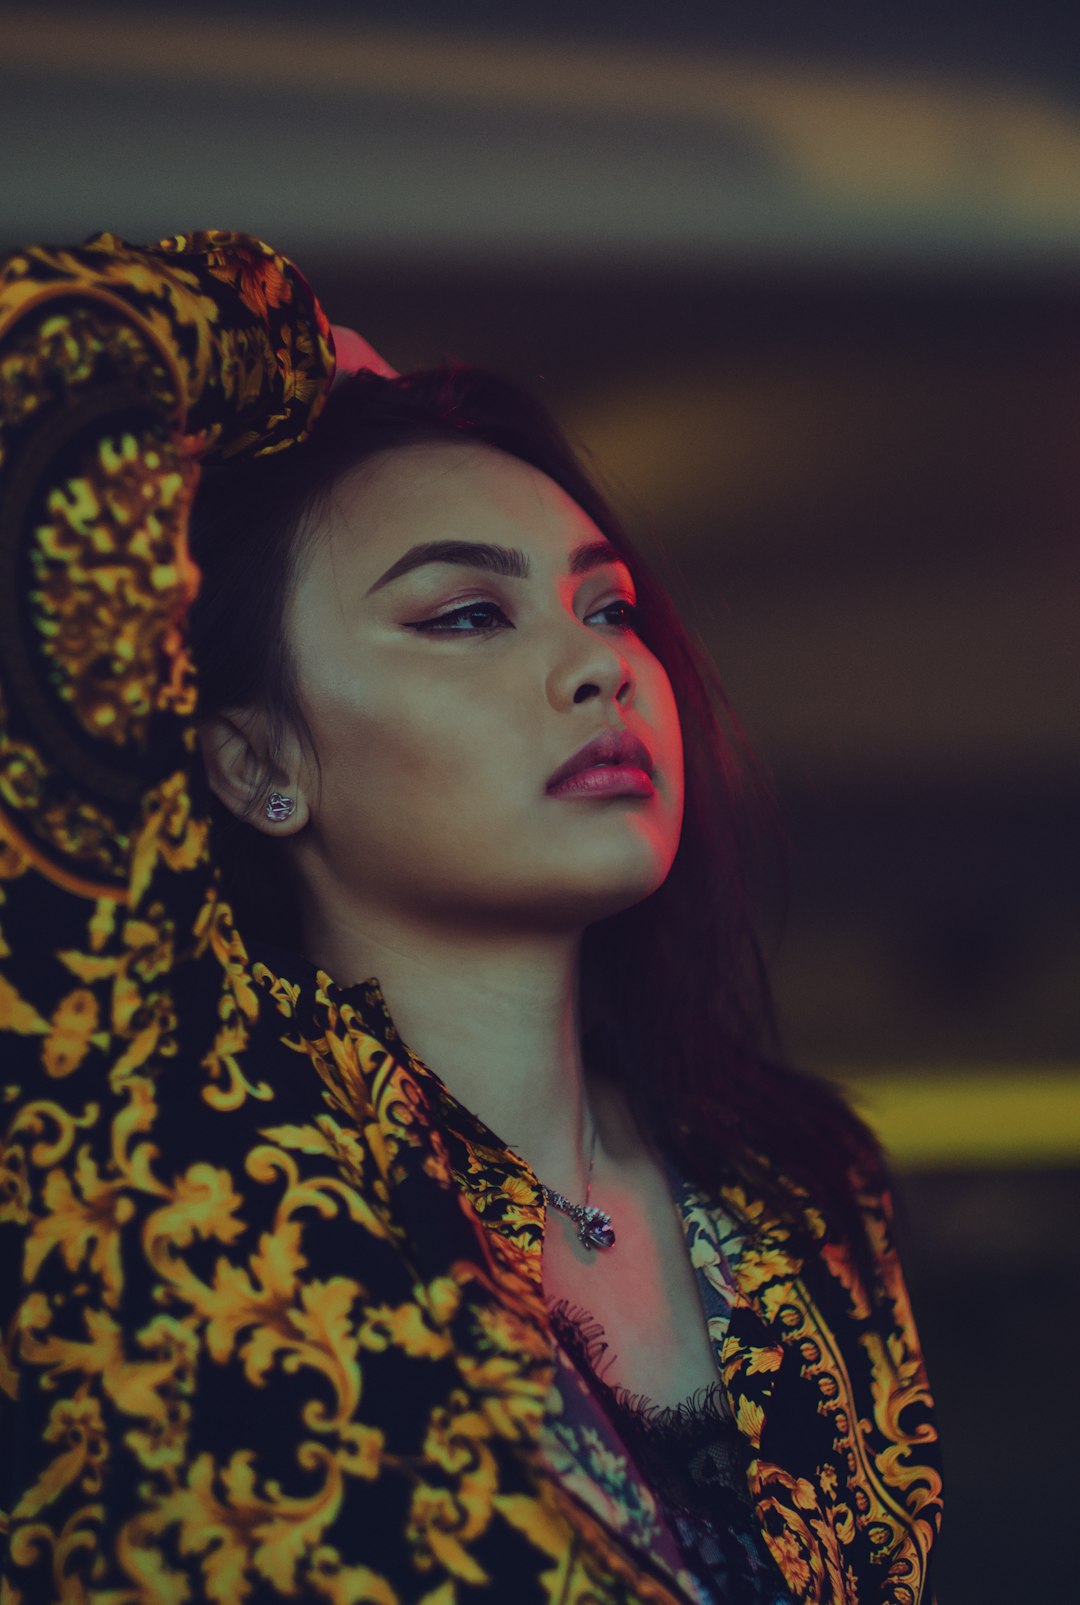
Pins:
<point x="120" y="368"/>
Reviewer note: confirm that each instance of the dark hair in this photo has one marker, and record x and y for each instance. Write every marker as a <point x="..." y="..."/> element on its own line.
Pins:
<point x="675" y="1000"/>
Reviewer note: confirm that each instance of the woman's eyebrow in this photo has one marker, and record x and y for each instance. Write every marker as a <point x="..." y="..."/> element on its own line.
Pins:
<point x="507" y="561"/>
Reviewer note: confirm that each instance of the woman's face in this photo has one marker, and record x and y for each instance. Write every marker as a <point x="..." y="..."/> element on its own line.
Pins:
<point x="441" y="701"/>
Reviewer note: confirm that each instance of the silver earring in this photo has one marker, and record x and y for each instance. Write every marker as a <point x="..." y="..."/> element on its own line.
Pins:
<point x="279" y="807"/>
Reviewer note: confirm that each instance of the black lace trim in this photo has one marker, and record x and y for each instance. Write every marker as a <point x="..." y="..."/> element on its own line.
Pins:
<point x="694" y="1458"/>
<point x="688" y="1451"/>
<point x="672" y="1422"/>
<point x="580" y="1333"/>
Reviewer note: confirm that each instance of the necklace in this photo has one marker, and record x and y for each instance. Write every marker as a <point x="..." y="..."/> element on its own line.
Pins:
<point x="594" y="1227"/>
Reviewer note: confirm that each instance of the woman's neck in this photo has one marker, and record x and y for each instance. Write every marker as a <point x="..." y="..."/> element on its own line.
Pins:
<point x="498" y="1021"/>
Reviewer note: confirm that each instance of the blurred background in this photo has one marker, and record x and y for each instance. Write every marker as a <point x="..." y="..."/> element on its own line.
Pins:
<point x="804" y="283"/>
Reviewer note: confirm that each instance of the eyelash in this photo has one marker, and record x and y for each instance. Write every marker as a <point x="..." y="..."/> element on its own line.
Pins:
<point x="433" y="625"/>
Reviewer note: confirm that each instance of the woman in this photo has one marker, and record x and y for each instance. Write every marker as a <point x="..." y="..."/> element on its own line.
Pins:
<point x="305" y="1298"/>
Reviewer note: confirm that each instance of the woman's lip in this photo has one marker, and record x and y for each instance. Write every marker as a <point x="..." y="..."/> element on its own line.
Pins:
<point x="605" y="780"/>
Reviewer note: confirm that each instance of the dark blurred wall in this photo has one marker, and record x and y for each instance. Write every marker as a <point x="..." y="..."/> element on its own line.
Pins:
<point x="869" y="488"/>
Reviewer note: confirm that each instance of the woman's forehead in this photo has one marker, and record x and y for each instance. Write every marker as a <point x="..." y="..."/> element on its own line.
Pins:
<point x="451" y="491"/>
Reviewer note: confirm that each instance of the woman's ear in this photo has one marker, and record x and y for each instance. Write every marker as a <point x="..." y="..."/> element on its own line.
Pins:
<point x="236" y="754"/>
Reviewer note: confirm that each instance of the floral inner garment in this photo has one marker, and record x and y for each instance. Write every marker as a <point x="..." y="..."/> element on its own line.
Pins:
<point x="663" y="1472"/>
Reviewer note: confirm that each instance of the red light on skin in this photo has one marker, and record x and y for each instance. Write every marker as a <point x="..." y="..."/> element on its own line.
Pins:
<point x="606" y="780"/>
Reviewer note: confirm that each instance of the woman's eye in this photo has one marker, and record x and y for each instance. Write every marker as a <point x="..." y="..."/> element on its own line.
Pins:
<point x="630" y="617"/>
<point x="449" y="622"/>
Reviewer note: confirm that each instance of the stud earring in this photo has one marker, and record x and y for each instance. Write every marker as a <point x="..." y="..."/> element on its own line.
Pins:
<point x="279" y="807"/>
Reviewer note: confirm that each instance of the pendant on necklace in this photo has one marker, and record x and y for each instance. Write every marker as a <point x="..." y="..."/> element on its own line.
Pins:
<point x="594" y="1227"/>
<point x="595" y="1230"/>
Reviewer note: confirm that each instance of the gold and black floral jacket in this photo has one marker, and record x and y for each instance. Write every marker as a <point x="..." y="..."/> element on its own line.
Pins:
<point x="272" y="1321"/>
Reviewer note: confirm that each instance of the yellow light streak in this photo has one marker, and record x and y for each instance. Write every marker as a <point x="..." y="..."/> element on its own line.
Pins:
<point x="986" y="1117"/>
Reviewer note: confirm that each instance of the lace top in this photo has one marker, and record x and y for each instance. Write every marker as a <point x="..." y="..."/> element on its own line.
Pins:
<point x="689" y="1456"/>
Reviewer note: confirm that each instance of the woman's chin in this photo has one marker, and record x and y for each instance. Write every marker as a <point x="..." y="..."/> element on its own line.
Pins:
<point x="577" y="905"/>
